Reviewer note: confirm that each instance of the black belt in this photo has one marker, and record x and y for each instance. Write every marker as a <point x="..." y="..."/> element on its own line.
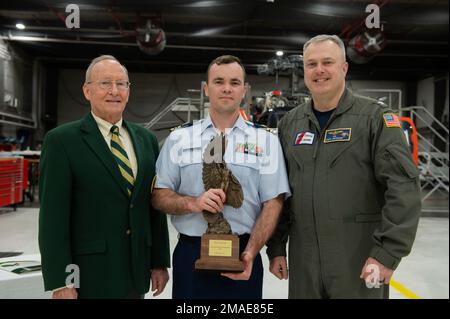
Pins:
<point x="197" y="239"/>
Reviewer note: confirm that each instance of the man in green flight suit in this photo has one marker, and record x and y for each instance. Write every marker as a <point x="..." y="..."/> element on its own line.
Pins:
<point x="356" y="198"/>
<point x="96" y="222"/>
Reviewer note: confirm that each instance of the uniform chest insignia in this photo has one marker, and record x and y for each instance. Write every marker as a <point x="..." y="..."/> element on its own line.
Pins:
<point x="391" y="120"/>
<point x="338" y="135"/>
<point x="248" y="148"/>
<point x="304" y="138"/>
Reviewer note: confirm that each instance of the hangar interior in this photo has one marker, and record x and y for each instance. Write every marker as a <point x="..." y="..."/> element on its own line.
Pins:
<point x="399" y="57"/>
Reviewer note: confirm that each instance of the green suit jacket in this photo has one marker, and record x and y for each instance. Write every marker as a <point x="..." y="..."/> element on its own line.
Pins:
<point x="87" y="219"/>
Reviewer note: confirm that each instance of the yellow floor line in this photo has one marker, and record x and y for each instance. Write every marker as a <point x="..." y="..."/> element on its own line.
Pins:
<point x="403" y="290"/>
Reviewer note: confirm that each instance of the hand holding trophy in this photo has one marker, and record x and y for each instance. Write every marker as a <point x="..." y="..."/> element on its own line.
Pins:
<point x="219" y="247"/>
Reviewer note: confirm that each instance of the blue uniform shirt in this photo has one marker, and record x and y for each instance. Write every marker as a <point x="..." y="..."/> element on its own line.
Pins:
<point x="252" y="154"/>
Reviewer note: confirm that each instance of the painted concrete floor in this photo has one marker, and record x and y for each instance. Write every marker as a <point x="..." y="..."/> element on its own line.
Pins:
<point x="424" y="273"/>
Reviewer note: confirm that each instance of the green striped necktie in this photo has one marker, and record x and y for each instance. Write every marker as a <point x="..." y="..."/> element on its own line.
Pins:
<point x="122" y="159"/>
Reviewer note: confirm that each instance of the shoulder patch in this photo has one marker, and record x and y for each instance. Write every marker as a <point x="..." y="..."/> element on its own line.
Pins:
<point x="391" y="120"/>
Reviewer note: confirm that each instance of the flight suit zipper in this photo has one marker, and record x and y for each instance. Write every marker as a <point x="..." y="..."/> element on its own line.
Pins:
<point x="316" y="149"/>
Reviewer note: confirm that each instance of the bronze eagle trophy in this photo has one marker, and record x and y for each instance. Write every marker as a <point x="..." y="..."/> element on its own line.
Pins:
<point x="215" y="174"/>
<point x="219" y="249"/>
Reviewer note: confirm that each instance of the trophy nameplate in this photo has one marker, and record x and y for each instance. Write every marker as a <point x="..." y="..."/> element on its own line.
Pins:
<point x="219" y="252"/>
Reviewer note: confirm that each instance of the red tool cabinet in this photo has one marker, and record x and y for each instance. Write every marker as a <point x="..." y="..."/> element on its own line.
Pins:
<point x="13" y="180"/>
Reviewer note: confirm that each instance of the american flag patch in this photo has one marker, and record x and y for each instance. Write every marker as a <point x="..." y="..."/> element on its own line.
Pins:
<point x="391" y="120"/>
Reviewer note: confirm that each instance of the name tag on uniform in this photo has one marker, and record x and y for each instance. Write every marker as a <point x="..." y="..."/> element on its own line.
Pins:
<point x="249" y="148"/>
<point x="304" y="138"/>
<point x="391" y="120"/>
<point x="338" y="135"/>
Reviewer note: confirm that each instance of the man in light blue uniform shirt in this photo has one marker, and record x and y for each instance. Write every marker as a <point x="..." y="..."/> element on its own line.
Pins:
<point x="255" y="158"/>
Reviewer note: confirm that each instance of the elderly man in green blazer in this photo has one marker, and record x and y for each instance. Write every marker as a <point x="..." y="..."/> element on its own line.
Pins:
<point x="99" y="236"/>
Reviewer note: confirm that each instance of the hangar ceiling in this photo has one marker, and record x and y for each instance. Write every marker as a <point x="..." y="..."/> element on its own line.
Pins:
<point x="415" y="32"/>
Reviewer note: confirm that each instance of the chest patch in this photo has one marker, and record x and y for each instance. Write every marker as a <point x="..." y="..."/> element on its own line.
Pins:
<point x="304" y="138"/>
<point x="338" y="135"/>
<point x="391" y="120"/>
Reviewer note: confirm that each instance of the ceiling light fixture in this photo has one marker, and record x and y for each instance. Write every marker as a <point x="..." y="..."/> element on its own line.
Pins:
<point x="279" y="53"/>
<point x="20" y="26"/>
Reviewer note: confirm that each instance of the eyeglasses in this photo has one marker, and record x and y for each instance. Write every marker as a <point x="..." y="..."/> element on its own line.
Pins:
<point x="107" y="85"/>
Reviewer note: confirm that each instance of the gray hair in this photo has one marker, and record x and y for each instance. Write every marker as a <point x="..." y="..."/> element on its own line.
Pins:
<point x="323" y="38"/>
<point x="99" y="59"/>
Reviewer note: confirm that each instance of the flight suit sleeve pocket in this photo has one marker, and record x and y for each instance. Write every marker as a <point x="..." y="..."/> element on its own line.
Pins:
<point x="401" y="158"/>
<point x="367" y="218"/>
<point x="90" y="247"/>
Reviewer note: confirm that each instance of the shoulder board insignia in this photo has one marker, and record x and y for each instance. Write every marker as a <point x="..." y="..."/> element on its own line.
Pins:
<point x="187" y="124"/>
<point x="257" y="125"/>
<point x="265" y="127"/>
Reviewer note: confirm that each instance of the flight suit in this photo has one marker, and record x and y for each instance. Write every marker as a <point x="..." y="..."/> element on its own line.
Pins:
<point x="355" y="194"/>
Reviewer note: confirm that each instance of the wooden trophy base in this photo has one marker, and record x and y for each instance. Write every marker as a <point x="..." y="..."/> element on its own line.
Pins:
<point x="219" y="253"/>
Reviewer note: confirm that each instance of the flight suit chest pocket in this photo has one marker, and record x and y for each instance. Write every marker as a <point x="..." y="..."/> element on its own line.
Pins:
<point x="353" y="149"/>
<point x="300" y="153"/>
